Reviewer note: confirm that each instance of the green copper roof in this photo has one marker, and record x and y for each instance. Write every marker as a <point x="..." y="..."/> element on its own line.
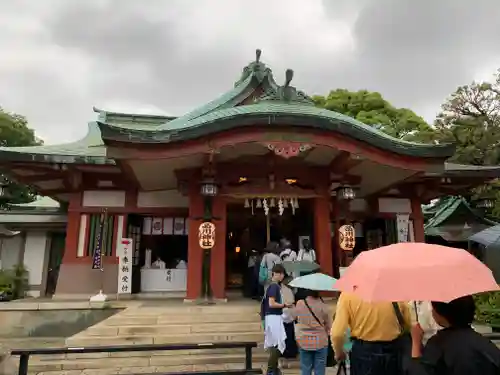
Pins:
<point x="277" y="106"/>
<point x="88" y="150"/>
<point x="132" y="120"/>
<point x="450" y="206"/>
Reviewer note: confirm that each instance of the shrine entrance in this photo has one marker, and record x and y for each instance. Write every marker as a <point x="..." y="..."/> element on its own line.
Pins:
<point x="249" y="228"/>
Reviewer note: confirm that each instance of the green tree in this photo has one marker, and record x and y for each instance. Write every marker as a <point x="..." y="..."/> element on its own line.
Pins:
<point x="471" y="119"/>
<point x="372" y="109"/>
<point x="14" y="132"/>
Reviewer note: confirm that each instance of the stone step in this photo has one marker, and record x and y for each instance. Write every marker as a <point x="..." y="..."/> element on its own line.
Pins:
<point x="196" y="338"/>
<point x="36" y="365"/>
<point x="170" y="369"/>
<point x="186" y="309"/>
<point x="171" y="329"/>
<point x="122" y="319"/>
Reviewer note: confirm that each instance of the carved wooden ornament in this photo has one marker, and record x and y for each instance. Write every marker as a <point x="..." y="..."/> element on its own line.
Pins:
<point x="206" y="235"/>
<point x="347" y="237"/>
<point x="288" y="149"/>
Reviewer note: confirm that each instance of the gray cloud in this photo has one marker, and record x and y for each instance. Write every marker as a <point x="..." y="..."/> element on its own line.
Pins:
<point x="66" y="56"/>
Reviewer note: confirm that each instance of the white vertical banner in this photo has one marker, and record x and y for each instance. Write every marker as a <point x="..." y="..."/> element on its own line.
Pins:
<point x="147" y="224"/>
<point x="125" y="253"/>
<point x="411" y="234"/>
<point x="168" y="226"/>
<point x="179" y="226"/>
<point x="402" y="224"/>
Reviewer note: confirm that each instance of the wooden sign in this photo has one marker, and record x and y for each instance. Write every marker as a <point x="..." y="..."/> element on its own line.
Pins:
<point x="124" y="252"/>
<point x="347" y="237"/>
<point x="206" y="235"/>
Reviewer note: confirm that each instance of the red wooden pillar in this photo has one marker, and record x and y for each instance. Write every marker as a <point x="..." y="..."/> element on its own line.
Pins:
<point x="218" y="258"/>
<point x="336" y="250"/>
<point x="195" y="253"/>
<point x="418" y="219"/>
<point x="322" y="234"/>
<point x="72" y="229"/>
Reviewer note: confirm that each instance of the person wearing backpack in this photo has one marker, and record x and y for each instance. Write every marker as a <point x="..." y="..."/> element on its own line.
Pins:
<point x="269" y="260"/>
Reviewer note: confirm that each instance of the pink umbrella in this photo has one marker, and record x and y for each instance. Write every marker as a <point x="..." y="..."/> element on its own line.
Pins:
<point x="416" y="271"/>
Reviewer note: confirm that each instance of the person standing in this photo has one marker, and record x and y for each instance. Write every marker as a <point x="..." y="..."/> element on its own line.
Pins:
<point x="313" y="325"/>
<point x="291" y="349"/>
<point x="456" y="349"/>
<point x="271" y="311"/>
<point x="375" y="333"/>
<point x="269" y="260"/>
<point x="306" y="252"/>
<point x="287" y="254"/>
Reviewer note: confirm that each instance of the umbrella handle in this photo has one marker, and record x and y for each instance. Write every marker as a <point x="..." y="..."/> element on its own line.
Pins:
<point x="416" y="310"/>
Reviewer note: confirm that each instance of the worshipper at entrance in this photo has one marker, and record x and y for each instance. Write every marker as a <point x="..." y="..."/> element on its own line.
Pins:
<point x="287" y="254"/>
<point x="306" y="252"/>
<point x="250" y="278"/>
<point x="269" y="260"/>
<point x="375" y="333"/>
<point x="271" y="311"/>
<point x="457" y="349"/>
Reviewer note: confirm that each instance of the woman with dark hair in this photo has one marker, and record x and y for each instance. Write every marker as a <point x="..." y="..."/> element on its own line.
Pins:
<point x="313" y="324"/>
<point x="457" y="349"/>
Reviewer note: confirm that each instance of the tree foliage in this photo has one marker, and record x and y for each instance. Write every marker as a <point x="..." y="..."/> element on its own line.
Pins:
<point x="14" y="132"/>
<point x="372" y="109"/>
<point x="471" y="119"/>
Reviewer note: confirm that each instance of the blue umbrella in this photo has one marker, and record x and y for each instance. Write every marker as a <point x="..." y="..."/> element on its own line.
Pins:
<point x="314" y="281"/>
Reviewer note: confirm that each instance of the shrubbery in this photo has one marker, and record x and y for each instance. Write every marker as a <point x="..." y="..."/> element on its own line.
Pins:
<point x="14" y="282"/>
<point x="488" y="309"/>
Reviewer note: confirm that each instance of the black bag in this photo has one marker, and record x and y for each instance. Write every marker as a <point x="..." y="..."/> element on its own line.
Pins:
<point x="330" y="357"/>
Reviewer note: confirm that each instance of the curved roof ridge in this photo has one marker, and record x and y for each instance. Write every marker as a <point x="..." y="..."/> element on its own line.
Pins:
<point x="272" y="108"/>
<point x="125" y="114"/>
<point x="88" y="150"/>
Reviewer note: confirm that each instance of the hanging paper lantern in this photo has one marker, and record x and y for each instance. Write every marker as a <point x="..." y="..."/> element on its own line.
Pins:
<point x="247" y="203"/>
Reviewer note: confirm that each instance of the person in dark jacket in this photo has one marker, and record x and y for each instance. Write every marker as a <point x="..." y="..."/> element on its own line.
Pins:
<point x="457" y="349"/>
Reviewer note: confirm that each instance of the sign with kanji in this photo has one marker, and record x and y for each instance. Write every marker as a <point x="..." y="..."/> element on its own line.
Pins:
<point x="206" y="235"/>
<point x="124" y="251"/>
<point x="347" y="237"/>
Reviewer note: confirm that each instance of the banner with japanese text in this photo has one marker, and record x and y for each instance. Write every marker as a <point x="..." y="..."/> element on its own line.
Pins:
<point x="125" y="254"/>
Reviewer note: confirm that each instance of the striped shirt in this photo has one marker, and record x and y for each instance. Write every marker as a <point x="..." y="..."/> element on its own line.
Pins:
<point x="311" y="335"/>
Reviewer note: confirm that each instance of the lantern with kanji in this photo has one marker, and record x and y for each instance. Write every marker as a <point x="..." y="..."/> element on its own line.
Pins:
<point x="347" y="237"/>
<point x="206" y="235"/>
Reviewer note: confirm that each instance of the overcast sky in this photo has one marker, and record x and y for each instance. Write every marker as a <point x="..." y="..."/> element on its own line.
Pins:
<point x="61" y="57"/>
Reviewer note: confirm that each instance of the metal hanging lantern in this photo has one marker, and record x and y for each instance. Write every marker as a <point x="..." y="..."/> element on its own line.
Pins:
<point x="346" y="192"/>
<point x="209" y="188"/>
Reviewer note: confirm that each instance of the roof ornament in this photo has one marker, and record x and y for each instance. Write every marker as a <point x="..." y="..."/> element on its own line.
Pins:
<point x="256" y="68"/>
<point x="288" y="77"/>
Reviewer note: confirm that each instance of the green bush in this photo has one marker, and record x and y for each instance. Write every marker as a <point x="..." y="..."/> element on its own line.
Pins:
<point x="14" y="282"/>
<point x="488" y="309"/>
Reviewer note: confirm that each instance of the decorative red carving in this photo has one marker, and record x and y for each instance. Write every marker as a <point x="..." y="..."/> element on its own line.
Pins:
<point x="288" y="149"/>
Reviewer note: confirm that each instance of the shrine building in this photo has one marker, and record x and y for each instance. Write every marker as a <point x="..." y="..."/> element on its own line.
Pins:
<point x="272" y="164"/>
